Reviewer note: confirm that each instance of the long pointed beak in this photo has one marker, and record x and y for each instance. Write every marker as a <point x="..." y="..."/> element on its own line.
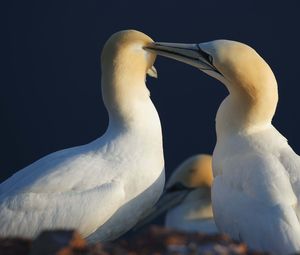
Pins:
<point x="167" y="201"/>
<point x="190" y="54"/>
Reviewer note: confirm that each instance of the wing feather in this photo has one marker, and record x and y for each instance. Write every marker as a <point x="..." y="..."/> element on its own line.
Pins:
<point x="26" y="214"/>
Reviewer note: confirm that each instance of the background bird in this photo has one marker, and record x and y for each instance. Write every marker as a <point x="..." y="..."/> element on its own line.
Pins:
<point x="257" y="174"/>
<point x="103" y="187"/>
<point x="187" y="198"/>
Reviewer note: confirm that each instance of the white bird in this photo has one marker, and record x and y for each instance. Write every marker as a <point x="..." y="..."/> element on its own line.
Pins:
<point x="187" y="197"/>
<point x="256" y="187"/>
<point x="101" y="188"/>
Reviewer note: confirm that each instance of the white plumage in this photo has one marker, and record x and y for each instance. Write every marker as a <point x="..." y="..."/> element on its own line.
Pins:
<point x="101" y="188"/>
<point x="256" y="188"/>
<point x="255" y="192"/>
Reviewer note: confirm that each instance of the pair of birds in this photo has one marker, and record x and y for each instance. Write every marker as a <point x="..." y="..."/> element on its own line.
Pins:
<point x="103" y="188"/>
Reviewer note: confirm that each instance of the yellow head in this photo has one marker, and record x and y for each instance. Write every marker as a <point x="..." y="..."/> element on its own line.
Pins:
<point x="124" y="53"/>
<point x="243" y="70"/>
<point x="195" y="172"/>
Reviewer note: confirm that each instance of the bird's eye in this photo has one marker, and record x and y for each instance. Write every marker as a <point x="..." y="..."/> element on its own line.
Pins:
<point x="205" y="55"/>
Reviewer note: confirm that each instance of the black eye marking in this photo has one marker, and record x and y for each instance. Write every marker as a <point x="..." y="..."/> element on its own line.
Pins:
<point x="176" y="187"/>
<point x="179" y="187"/>
<point x="209" y="59"/>
<point x="206" y="56"/>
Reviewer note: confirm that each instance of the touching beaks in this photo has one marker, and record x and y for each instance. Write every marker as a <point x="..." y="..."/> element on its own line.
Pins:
<point x="152" y="72"/>
<point x="191" y="54"/>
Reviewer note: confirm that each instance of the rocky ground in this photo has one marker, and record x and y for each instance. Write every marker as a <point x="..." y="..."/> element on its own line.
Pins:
<point x="153" y="240"/>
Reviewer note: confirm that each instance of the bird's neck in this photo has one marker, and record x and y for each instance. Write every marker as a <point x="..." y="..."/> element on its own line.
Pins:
<point x="244" y="111"/>
<point x="127" y="100"/>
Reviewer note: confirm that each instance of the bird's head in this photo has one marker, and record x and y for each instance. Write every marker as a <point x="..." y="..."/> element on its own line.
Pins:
<point x="195" y="172"/>
<point x="124" y="53"/>
<point x="248" y="78"/>
<point x="235" y="64"/>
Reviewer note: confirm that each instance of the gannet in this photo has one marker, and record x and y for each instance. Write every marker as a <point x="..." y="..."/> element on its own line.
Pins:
<point x="256" y="173"/>
<point x="187" y="197"/>
<point x="103" y="187"/>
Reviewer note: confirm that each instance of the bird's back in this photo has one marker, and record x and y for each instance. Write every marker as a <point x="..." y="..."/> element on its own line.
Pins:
<point x="60" y="171"/>
<point x="58" y="191"/>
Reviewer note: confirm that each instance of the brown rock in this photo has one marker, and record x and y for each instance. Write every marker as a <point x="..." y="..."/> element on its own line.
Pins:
<point x="14" y="246"/>
<point x="58" y="242"/>
<point x="153" y="241"/>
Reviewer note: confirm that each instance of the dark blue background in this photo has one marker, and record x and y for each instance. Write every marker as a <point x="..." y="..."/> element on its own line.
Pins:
<point x="50" y="77"/>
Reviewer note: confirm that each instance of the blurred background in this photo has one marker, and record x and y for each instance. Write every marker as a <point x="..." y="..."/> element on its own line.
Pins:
<point x="50" y="77"/>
